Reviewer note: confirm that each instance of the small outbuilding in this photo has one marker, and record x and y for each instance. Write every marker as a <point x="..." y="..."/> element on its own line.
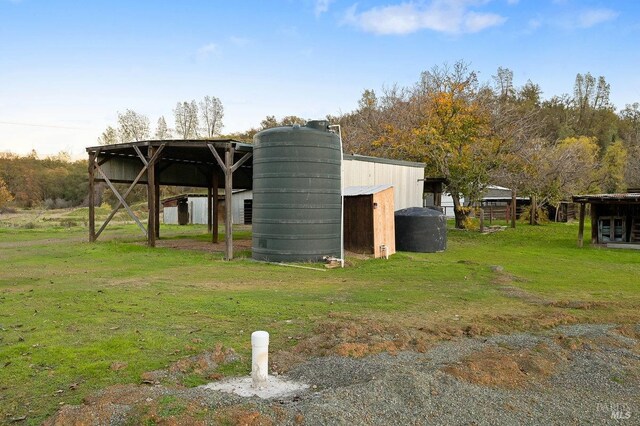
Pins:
<point x="368" y="220"/>
<point x="615" y="219"/>
<point x="191" y="209"/>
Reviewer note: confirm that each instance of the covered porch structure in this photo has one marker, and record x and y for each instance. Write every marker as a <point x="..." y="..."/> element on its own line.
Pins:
<point x="209" y="163"/>
<point x="615" y="219"/>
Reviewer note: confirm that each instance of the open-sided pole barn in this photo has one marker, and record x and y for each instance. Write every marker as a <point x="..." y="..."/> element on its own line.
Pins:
<point x="615" y="219"/>
<point x="195" y="163"/>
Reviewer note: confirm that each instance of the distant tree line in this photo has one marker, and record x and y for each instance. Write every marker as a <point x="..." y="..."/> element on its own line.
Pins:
<point x="470" y="133"/>
<point x="53" y="182"/>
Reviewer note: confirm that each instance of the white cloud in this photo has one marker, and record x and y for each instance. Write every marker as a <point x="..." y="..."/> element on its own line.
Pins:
<point x="592" y="17"/>
<point x="322" y="6"/>
<point x="452" y="17"/>
<point x="207" y="50"/>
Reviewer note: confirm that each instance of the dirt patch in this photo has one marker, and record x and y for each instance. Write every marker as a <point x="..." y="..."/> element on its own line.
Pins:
<point x="631" y="331"/>
<point x="204" y="365"/>
<point x="343" y="335"/>
<point x="133" y="404"/>
<point x="507" y="368"/>
<point x="505" y="280"/>
<point x="577" y="304"/>
<point x="237" y="415"/>
<point x="535" y="322"/>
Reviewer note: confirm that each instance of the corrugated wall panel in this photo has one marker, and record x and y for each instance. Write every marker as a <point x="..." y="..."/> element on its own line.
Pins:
<point x="406" y="180"/>
<point x="170" y="215"/>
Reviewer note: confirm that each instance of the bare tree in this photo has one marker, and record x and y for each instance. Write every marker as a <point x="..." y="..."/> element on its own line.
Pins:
<point x="212" y="112"/>
<point x="186" y="115"/>
<point x="162" y="131"/>
<point x="132" y="126"/>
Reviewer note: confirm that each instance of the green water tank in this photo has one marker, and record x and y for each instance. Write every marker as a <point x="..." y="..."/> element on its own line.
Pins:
<point x="297" y="204"/>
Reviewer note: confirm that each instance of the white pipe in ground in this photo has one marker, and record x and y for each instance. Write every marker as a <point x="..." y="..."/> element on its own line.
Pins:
<point x="259" y="359"/>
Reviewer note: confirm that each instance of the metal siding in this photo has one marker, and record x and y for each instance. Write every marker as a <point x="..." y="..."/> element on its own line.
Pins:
<point x="237" y="206"/>
<point x="198" y="210"/>
<point x="170" y="215"/>
<point x="406" y="180"/>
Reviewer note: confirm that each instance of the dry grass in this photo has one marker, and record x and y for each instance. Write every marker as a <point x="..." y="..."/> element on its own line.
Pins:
<point x="507" y="368"/>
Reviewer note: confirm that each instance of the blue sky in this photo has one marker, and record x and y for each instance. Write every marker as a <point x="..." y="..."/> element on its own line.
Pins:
<point x="67" y="67"/>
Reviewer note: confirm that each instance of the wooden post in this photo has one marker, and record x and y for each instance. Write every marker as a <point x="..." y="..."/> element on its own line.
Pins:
<point x="514" y="204"/>
<point x="151" y="195"/>
<point x="481" y="219"/>
<point x="594" y="224"/>
<point x="581" y="226"/>
<point x="92" y="198"/>
<point x="214" y="203"/>
<point x="209" y="209"/>
<point x="157" y="199"/>
<point x="533" y="210"/>
<point x="228" y="189"/>
<point x="491" y="215"/>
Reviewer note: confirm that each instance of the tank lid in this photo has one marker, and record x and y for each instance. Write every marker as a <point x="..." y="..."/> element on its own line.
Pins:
<point x="318" y="125"/>
<point x="418" y="211"/>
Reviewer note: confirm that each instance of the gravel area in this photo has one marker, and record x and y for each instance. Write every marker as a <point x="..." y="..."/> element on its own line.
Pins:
<point x="596" y="381"/>
<point x="594" y="378"/>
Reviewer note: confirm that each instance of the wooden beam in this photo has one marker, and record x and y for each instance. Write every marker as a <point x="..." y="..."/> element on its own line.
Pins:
<point x="121" y="202"/>
<point x="151" y="199"/>
<point x="157" y="198"/>
<point x="140" y="155"/>
<point x="116" y="193"/>
<point x="594" y="224"/>
<point x="209" y="209"/>
<point x="241" y="161"/>
<point x="581" y="226"/>
<point x="228" y="190"/>
<point x="92" y="197"/>
<point x="214" y="205"/>
<point x="217" y="157"/>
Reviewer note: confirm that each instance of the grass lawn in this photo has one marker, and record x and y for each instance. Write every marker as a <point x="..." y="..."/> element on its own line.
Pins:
<point x="70" y="310"/>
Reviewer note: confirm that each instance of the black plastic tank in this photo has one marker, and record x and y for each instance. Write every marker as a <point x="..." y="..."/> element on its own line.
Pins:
<point x="421" y="230"/>
<point x="297" y="204"/>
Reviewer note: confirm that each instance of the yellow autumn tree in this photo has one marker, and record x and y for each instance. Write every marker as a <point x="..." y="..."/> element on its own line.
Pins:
<point x="5" y="195"/>
<point x="452" y="134"/>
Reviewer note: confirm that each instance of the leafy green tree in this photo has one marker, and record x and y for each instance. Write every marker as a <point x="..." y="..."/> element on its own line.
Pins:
<point x="613" y="167"/>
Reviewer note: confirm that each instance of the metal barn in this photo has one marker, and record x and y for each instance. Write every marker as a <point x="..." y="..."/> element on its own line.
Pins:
<point x="405" y="177"/>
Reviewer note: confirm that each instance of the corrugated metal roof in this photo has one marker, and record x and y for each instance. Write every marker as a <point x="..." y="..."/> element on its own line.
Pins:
<point x="358" y="157"/>
<point x="630" y="197"/>
<point x="353" y="191"/>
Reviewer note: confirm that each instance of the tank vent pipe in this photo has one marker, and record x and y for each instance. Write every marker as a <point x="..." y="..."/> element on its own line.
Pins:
<point x="259" y="359"/>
